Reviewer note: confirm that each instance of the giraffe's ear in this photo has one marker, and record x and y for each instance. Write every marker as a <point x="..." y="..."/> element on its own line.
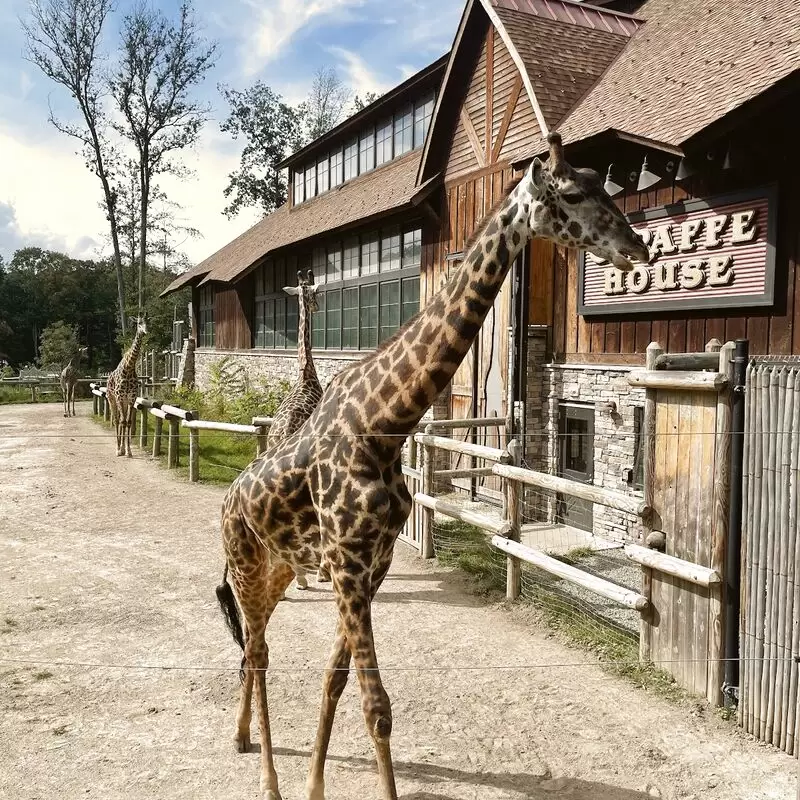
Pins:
<point x="535" y="170"/>
<point x="291" y="290"/>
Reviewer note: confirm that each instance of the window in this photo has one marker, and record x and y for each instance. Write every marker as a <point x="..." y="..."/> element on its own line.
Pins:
<point x="292" y="320"/>
<point x="280" y="322"/>
<point x="383" y="143"/>
<point x="390" y="250"/>
<point x="410" y="299"/>
<point x="370" y="247"/>
<point x="638" y="448"/>
<point x="299" y="185"/>
<point x="322" y="175"/>
<point x="350" y="259"/>
<point x="311" y="183"/>
<point x="366" y="151"/>
<point x="206" y="317"/>
<point x="318" y="260"/>
<point x="404" y="132"/>
<point x="351" y="160"/>
<point x="423" y="112"/>
<point x="333" y="271"/>
<point x="333" y="319"/>
<point x="412" y="248"/>
<point x="350" y="318"/>
<point x="389" y="308"/>
<point x="336" y="168"/>
<point x="368" y="316"/>
<point x="318" y="323"/>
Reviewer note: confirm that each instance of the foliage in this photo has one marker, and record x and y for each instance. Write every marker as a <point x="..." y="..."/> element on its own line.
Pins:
<point x="59" y="343"/>
<point x="63" y="38"/>
<point x="161" y="62"/>
<point x="326" y="103"/>
<point x="271" y="131"/>
<point x="359" y="103"/>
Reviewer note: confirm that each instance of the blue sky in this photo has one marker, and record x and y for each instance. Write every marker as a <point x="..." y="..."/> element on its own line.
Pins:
<point x="48" y="198"/>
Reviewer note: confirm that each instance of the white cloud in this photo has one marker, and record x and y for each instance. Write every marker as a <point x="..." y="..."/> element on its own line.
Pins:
<point x="277" y="23"/>
<point x="358" y="75"/>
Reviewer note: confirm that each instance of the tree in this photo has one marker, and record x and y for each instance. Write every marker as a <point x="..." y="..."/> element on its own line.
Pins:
<point x="326" y="103"/>
<point x="160" y="65"/>
<point x="59" y="343"/>
<point x="359" y="103"/>
<point x="271" y="130"/>
<point x="63" y="42"/>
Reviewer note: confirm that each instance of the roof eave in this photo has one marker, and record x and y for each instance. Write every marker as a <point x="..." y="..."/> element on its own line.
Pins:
<point x="181" y="282"/>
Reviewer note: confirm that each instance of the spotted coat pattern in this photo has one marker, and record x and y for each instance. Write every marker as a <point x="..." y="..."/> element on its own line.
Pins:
<point x="69" y="379"/>
<point x="122" y="388"/>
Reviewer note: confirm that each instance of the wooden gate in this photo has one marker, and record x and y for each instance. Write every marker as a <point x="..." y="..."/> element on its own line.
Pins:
<point x="687" y="434"/>
<point x="770" y="619"/>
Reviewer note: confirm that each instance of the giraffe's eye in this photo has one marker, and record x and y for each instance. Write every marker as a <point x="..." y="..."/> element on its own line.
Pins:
<point x="572" y="197"/>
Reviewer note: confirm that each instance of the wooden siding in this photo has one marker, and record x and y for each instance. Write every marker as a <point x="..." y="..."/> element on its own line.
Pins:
<point x="232" y="316"/>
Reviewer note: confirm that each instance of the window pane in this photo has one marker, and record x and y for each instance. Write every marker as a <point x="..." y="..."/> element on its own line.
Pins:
<point x="350" y="319"/>
<point x="350" y="262"/>
<point x="389" y="308"/>
<point x="318" y="264"/>
<point x="268" y="272"/>
<point x="369" y="254"/>
<point x="279" y="273"/>
<point x="336" y="168"/>
<point x="318" y="323"/>
<point x="366" y="151"/>
<point x="299" y="186"/>
<point x="269" y="324"/>
<point x="383" y="143"/>
<point x="369" y="316"/>
<point x="311" y="183"/>
<point x="258" y="324"/>
<point x="322" y="175"/>
<point x="333" y="271"/>
<point x="351" y="160"/>
<point x="422" y="118"/>
<point x="292" y="321"/>
<point x="390" y="249"/>
<point x="404" y="132"/>
<point x="333" y="320"/>
<point x="410" y="304"/>
<point x="412" y="248"/>
<point x="280" y="322"/>
<point x="259" y="287"/>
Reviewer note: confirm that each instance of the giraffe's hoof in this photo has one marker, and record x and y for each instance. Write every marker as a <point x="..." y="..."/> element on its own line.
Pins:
<point x="271" y="794"/>
<point x="242" y="743"/>
<point x="302" y="583"/>
<point x="323" y="577"/>
<point x="316" y="792"/>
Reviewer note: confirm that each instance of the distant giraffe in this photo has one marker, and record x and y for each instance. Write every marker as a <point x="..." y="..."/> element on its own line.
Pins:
<point x="122" y="388"/>
<point x="336" y="486"/>
<point x="69" y="378"/>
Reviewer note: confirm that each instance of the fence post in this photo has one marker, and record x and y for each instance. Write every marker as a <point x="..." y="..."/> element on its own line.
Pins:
<point x="194" y="455"/>
<point x="143" y="428"/>
<point x="427" y="488"/>
<point x="157" y="437"/>
<point x="261" y="440"/>
<point x="172" y="445"/>
<point x="95" y="404"/>
<point x="106" y="408"/>
<point x="649" y="437"/>
<point x="514" y="507"/>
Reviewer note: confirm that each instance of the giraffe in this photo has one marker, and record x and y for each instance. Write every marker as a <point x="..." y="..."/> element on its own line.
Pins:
<point x="335" y="488"/>
<point x="69" y="378"/>
<point x="122" y="388"/>
<point x="301" y="401"/>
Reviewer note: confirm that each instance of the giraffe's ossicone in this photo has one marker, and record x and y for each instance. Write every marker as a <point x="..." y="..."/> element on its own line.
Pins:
<point x="335" y="490"/>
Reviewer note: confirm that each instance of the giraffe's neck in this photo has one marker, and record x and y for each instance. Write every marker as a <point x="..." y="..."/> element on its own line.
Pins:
<point x="306" y="369"/>
<point x="75" y="360"/>
<point x="418" y="364"/>
<point x="129" y="361"/>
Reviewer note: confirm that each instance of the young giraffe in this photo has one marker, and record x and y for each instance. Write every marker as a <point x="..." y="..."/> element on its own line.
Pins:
<point x="69" y="378"/>
<point x="122" y="388"/>
<point x="335" y="488"/>
<point x="301" y="401"/>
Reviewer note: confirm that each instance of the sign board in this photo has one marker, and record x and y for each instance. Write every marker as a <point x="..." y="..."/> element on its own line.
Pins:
<point x="716" y="253"/>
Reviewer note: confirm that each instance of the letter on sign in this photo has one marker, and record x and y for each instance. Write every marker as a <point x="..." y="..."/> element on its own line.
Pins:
<point x="714" y="227"/>
<point x="639" y="279"/>
<point x="615" y="282"/>
<point x="692" y="275"/>
<point x="720" y="271"/>
<point x="743" y="229"/>
<point x="690" y="229"/>
<point x="665" y="277"/>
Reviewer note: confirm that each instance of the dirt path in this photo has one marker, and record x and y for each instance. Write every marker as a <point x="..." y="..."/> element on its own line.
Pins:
<point x="113" y="561"/>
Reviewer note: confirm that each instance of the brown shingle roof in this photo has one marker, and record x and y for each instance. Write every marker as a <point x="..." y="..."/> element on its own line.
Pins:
<point x="691" y="63"/>
<point x="385" y="189"/>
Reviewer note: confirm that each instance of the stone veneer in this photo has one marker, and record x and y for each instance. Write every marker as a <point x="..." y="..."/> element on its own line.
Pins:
<point x="614" y="433"/>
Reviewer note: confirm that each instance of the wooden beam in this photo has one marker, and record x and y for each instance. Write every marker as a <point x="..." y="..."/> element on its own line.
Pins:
<point x="686" y="570"/>
<point x="489" y="91"/>
<point x="496" y="526"/>
<point x="516" y="89"/>
<point x="688" y="361"/>
<point x="229" y="427"/>
<point x="691" y="381"/>
<point x="465" y="448"/>
<point x="472" y="135"/>
<point x="625" y="597"/>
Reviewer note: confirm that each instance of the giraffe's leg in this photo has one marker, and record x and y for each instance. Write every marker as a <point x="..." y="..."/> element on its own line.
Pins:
<point x="354" y="637"/>
<point x="72" y="397"/>
<point x="115" y="420"/>
<point x="259" y="595"/>
<point x="302" y="582"/>
<point x="323" y="573"/>
<point x="127" y="413"/>
<point x="66" y="398"/>
<point x="245" y="713"/>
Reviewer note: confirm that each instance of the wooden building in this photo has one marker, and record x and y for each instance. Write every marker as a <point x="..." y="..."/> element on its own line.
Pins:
<point x="690" y="108"/>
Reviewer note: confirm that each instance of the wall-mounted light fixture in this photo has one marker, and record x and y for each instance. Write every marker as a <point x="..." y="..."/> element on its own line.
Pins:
<point x="646" y="178"/>
<point x="610" y="186"/>
<point x="685" y="170"/>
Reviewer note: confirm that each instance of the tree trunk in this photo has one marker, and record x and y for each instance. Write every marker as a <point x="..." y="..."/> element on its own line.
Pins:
<point x="144" y="177"/>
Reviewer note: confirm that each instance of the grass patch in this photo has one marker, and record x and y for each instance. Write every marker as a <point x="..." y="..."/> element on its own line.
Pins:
<point x="12" y="395"/>
<point x="458" y="544"/>
<point x="43" y="675"/>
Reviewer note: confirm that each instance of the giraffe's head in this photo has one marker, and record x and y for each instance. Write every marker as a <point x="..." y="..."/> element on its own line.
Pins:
<point x="306" y="291"/>
<point x="571" y="207"/>
<point x="141" y="325"/>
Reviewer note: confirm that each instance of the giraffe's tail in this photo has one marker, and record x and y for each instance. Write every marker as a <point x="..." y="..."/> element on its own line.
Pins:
<point x="230" y="612"/>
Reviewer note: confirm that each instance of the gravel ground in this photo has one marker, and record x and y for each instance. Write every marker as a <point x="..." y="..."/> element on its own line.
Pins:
<point x="112" y="563"/>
